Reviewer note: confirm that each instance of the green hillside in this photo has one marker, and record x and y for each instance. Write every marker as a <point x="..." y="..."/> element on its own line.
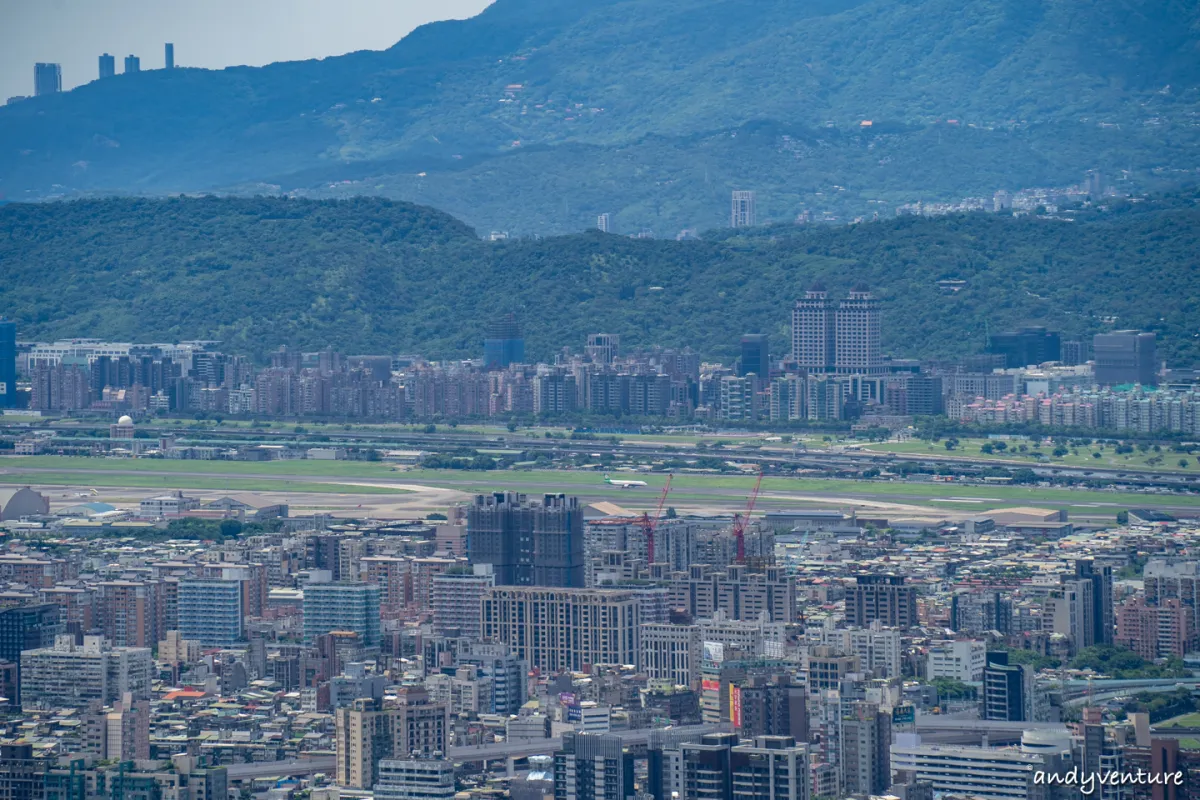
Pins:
<point x="370" y="275"/>
<point x="537" y="114"/>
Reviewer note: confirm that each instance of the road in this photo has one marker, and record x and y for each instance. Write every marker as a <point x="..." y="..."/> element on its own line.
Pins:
<point x="937" y="722"/>
<point x="534" y="747"/>
<point x="282" y="769"/>
<point x="491" y="752"/>
<point x="1082" y="694"/>
<point x="968" y="730"/>
<point x="770" y="454"/>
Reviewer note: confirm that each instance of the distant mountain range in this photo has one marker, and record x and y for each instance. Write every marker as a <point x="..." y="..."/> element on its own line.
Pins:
<point x="537" y="115"/>
<point x="378" y="276"/>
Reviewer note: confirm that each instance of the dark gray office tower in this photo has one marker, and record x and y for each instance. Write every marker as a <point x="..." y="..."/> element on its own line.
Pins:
<point x="708" y="767"/>
<point x="504" y="343"/>
<point x="47" y="79"/>
<point x="923" y="396"/>
<point x="1125" y="357"/>
<point x="980" y="612"/>
<point x="1075" y="353"/>
<point x="323" y="551"/>
<point x="1007" y="690"/>
<point x="775" y="707"/>
<point x="773" y="767"/>
<point x="132" y="64"/>
<point x="1026" y="346"/>
<point x="27" y="628"/>
<point x="22" y="774"/>
<point x="884" y="598"/>
<point x="720" y="767"/>
<point x="1102" y="598"/>
<point x="593" y="767"/>
<point x="527" y="543"/>
<point x="911" y="790"/>
<point x="8" y="364"/>
<point x="756" y="357"/>
<point x="866" y="749"/>
<point x="108" y="66"/>
<point x="169" y="55"/>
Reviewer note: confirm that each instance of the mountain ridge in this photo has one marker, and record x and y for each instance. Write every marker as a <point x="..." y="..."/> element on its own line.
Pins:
<point x="1091" y="84"/>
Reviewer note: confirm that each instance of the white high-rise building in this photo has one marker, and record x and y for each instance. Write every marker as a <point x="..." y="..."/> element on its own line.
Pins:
<point x="555" y="628"/>
<point x="415" y="779"/>
<point x="603" y="348"/>
<point x="844" y="339"/>
<point x="969" y="771"/>
<point x="813" y="330"/>
<point x="856" y="345"/>
<point x="211" y="611"/>
<point x="743" y="213"/>
<point x="671" y="652"/>
<point x="960" y="661"/>
<point x="878" y="649"/>
<point x="73" y="676"/>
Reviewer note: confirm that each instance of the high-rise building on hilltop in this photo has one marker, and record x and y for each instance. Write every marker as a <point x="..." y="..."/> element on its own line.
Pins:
<point x="47" y="79"/>
<point x="108" y="66"/>
<point x="743" y="214"/>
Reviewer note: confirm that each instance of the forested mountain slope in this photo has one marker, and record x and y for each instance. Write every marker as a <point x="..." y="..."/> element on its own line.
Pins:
<point x="371" y="275"/>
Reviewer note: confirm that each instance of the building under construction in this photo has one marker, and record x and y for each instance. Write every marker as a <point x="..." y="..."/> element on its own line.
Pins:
<point x="526" y="542"/>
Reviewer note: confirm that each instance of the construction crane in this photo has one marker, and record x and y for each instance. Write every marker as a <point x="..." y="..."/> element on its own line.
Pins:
<point x="740" y="522"/>
<point x="648" y="525"/>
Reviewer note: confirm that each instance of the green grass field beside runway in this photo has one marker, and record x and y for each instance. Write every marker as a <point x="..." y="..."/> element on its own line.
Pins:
<point x="231" y="484"/>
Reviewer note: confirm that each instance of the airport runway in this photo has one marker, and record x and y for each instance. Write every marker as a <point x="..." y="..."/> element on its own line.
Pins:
<point x="416" y="497"/>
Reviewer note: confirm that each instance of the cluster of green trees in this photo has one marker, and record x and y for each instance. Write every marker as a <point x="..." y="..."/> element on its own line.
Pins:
<point x="1162" y="705"/>
<point x="936" y="428"/>
<point x="951" y="689"/>
<point x="474" y="462"/>
<point x="215" y="530"/>
<point x="1116" y="662"/>
<point x="372" y="275"/>
<point x="1125" y="664"/>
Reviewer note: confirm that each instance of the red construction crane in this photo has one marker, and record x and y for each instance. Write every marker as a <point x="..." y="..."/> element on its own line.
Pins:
<point x="648" y="525"/>
<point x="740" y="522"/>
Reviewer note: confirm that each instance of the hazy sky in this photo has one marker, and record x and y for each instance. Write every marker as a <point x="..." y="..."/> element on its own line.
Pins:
<point x="206" y="33"/>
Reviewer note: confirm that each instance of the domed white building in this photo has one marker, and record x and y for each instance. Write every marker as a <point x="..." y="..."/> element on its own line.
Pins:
<point x="123" y="429"/>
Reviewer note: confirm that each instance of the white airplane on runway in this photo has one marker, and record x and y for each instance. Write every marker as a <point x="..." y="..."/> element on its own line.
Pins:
<point x="623" y="484"/>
